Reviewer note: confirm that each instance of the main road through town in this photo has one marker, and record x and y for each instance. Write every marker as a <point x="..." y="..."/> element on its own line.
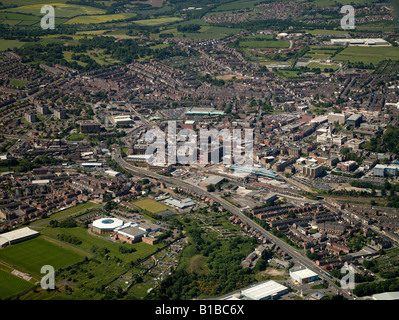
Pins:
<point x="298" y="256"/>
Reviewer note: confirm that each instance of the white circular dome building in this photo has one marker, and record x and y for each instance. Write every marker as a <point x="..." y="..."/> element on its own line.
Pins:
<point x="106" y="225"/>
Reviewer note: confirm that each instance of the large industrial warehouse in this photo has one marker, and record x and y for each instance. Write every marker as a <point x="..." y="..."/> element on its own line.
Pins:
<point x="16" y="236"/>
<point x="303" y="275"/>
<point x="269" y="290"/>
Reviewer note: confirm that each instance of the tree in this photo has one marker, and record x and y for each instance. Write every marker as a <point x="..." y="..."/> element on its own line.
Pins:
<point x="210" y="188"/>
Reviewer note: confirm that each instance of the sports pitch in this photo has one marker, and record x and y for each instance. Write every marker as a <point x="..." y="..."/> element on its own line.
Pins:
<point x="29" y="256"/>
<point x="11" y="285"/>
<point x="151" y="205"/>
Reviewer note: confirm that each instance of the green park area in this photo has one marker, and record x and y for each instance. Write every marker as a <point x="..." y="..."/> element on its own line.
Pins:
<point x="151" y="205"/>
<point x="62" y="10"/>
<point x="29" y="256"/>
<point x="157" y="21"/>
<point x="12" y="285"/>
<point x="96" y="19"/>
<point x="368" y="54"/>
<point x="278" y="44"/>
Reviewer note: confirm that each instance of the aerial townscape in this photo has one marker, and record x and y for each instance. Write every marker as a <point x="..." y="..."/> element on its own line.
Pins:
<point x="123" y="124"/>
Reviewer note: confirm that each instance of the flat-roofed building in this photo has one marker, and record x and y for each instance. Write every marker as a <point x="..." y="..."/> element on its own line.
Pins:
<point x="125" y="119"/>
<point x="16" y="236"/>
<point x="303" y="275"/>
<point x="30" y="117"/>
<point x="180" y="203"/>
<point x="385" y="170"/>
<point x="269" y="290"/>
<point x="360" y="42"/>
<point x="386" y="296"/>
<point x="354" y="120"/>
<point x="347" y="166"/>
<point x="42" y="109"/>
<point x="87" y="126"/>
<point x="312" y="170"/>
<point x="212" y="180"/>
<point x="336" y="117"/>
<point x="112" y="173"/>
<point x="60" y="114"/>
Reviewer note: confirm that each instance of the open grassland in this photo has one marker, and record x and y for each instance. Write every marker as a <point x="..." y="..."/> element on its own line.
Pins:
<point x="234" y="5"/>
<point x="265" y="44"/>
<point x="325" y="31"/>
<point x="205" y="32"/>
<point x="20" y="19"/>
<point x="367" y="54"/>
<point x="12" y="285"/>
<point x="61" y="10"/>
<point x="322" y="66"/>
<point x="29" y="256"/>
<point x="89" y="240"/>
<point x="382" y="26"/>
<point x="10" y="44"/>
<point x="324" y="3"/>
<point x="151" y="205"/>
<point x="157" y="21"/>
<point x="30" y="2"/>
<point x="94" y="19"/>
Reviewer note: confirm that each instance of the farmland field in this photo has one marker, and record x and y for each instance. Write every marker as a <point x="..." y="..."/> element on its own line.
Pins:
<point x="10" y="44"/>
<point x="367" y="54"/>
<point x="29" y="256"/>
<point x="98" y="18"/>
<point x="157" y="21"/>
<point x="61" y="10"/>
<point x="150" y="205"/>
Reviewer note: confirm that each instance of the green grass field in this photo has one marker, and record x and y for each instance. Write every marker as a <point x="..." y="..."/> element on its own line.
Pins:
<point x="367" y="54"/>
<point x="10" y="44"/>
<point x="95" y="19"/>
<point x="157" y="21"/>
<point x="61" y="10"/>
<point x="12" y="285"/>
<point x="322" y="66"/>
<point x="265" y="44"/>
<point x="324" y="3"/>
<point x="151" y="205"/>
<point x="74" y="136"/>
<point x="324" y="31"/>
<point x="29" y="256"/>
<point x="206" y="32"/>
<point x="234" y="5"/>
<point x="89" y="240"/>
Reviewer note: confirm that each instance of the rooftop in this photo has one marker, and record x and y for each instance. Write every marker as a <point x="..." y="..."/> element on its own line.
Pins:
<point x="264" y="290"/>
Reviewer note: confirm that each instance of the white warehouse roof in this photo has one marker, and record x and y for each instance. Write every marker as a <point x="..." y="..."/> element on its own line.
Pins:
<point x="264" y="290"/>
<point x="386" y="296"/>
<point x="302" y="274"/>
<point x="18" y="234"/>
